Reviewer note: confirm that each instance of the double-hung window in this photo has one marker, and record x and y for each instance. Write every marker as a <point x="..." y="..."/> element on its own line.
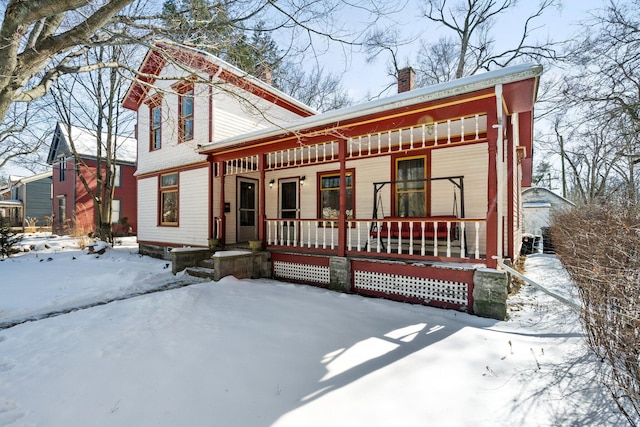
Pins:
<point x="155" y="122"/>
<point x="185" y="113"/>
<point x="329" y="197"/>
<point x="411" y="188"/>
<point x="62" y="170"/>
<point x="168" y="200"/>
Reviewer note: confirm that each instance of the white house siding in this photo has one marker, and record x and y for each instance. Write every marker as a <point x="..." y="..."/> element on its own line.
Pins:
<point x="237" y="114"/>
<point x="148" y="209"/>
<point x="193" y="215"/>
<point x="234" y="113"/>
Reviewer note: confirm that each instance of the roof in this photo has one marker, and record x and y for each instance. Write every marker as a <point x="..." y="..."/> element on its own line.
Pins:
<point x="85" y="142"/>
<point x="544" y="195"/>
<point x="199" y="60"/>
<point x="406" y="99"/>
<point x="27" y="179"/>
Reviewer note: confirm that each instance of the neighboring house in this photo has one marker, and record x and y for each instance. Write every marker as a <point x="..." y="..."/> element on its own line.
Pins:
<point x="538" y="205"/>
<point x="73" y="205"/>
<point x="408" y="197"/>
<point x="28" y="201"/>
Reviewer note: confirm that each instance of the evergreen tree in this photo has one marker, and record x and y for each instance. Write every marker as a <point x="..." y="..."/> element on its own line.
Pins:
<point x="8" y="238"/>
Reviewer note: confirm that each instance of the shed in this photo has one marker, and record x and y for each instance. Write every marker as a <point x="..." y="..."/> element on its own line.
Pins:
<point x="537" y="206"/>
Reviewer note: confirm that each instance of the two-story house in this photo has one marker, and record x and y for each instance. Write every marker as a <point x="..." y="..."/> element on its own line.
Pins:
<point x="412" y="197"/>
<point x="73" y="203"/>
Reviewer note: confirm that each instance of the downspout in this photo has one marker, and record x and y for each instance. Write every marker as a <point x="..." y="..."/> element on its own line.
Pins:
<point x="342" y="213"/>
<point x="499" y="172"/>
<point x="538" y="286"/>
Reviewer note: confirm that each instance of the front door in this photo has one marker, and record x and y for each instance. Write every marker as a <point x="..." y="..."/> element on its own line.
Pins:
<point x="289" y="208"/>
<point x="247" y="209"/>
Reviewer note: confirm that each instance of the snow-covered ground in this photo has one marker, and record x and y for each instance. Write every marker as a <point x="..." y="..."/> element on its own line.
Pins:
<point x="266" y="353"/>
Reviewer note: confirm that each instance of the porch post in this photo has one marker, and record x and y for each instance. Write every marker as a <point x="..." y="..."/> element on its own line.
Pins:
<point x="492" y="191"/>
<point x="261" y="199"/>
<point x="342" y="215"/>
<point x="223" y="222"/>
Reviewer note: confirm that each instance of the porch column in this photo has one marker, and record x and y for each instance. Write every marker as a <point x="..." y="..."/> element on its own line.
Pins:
<point x="492" y="191"/>
<point x="223" y="222"/>
<point x="261" y="199"/>
<point x="342" y="215"/>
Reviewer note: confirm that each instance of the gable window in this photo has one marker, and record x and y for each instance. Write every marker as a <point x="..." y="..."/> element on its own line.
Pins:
<point x="62" y="170"/>
<point x="329" y="197"/>
<point x="155" y="122"/>
<point x="411" y="188"/>
<point x="169" y="199"/>
<point x="185" y="113"/>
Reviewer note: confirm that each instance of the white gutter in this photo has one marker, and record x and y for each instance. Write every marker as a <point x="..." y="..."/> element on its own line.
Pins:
<point x="405" y="99"/>
<point x="499" y="170"/>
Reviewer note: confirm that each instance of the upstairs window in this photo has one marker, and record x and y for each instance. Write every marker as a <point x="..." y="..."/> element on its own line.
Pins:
<point x="155" y="122"/>
<point x="185" y="113"/>
<point x="62" y="170"/>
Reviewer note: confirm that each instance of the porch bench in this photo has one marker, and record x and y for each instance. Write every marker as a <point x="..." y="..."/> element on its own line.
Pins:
<point x="400" y="228"/>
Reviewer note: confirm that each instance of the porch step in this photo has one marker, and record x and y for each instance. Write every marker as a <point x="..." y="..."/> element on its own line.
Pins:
<point x="206" y="263"/>
<point x="202" y="272"/>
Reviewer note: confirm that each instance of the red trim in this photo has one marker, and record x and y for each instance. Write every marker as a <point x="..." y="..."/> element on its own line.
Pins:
<point x="210" y="201"/>
<point x="322" y="261"/>
<point x="155" y="61"/>
<point x="511" y="163"/>
<point x="389" y="119"/>
<point x="342" y="212"/>
<point x="426" y="272"/>
<point x="223" y="217"/>
<point x="171" y="170"/>
<point x="262" y="200"/>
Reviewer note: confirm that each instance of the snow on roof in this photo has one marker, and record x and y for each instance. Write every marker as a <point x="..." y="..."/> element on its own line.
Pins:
<point x="430" y="93"/>
<point x="536" y="205"/>
<point x="85" y="142"/>
<point x="546" y="193"/>
<point x="27" y="179"/>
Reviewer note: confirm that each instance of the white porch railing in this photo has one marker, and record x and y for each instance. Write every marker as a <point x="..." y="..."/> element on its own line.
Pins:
<point x="459" y="238"/>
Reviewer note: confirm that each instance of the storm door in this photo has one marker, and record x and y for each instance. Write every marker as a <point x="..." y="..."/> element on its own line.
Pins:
<point x="247" y="209"/>
<point x="289" y="208"/>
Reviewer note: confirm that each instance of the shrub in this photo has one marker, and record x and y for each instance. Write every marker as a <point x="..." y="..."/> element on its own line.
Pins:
<point x="600" y="248"/>
<point x="8" y="239"/>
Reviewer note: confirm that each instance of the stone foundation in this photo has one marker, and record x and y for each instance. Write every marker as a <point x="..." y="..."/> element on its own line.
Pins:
<point x="490" y="293"/>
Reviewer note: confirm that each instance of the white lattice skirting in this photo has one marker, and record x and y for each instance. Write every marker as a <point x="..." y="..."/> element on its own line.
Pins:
<point x="304" y="272"/>
<point x="416" y="287"/>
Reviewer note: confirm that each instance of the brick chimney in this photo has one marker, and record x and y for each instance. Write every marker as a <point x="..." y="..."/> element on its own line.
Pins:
<point x="265" y="74"/>
<point x="406" y="79"/>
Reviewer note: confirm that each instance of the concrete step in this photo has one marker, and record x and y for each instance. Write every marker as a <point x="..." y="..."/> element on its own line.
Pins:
<point x="206" y="263"/>
<point x="203" y="272"/>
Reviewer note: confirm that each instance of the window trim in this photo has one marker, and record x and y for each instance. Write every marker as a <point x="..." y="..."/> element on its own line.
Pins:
<point x="425" y="189"/>
<point x="155" y="104"/>
<point x="62" y="170"/>
<point x="172" y="188"/>
<point x="348" y="172"/>
<point x="185" y="92"/>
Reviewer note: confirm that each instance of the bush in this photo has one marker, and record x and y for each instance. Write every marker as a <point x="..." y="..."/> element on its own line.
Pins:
<point x="600" y="248"/>
<point x="8" y="239"/>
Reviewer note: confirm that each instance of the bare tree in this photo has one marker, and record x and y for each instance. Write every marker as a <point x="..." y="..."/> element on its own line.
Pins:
<point x="98" y="93"/>
<point x="46" y="39"/>
<point x="467" y="44"/>
<point x="601" y="103"/>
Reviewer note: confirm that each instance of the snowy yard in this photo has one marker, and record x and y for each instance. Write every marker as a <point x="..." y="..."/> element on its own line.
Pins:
<point x="266" y="353"/>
